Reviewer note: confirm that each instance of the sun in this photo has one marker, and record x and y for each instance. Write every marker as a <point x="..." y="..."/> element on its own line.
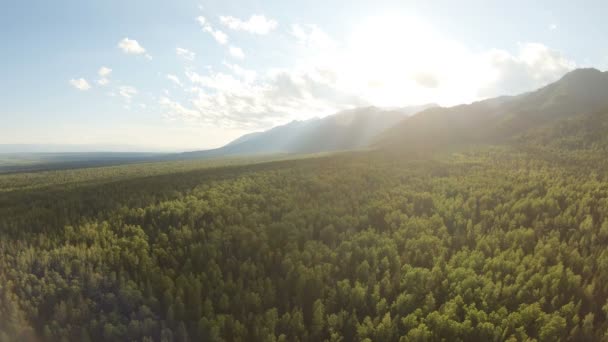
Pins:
<point x="384" y="53"/>
<point x="394" y="60"/>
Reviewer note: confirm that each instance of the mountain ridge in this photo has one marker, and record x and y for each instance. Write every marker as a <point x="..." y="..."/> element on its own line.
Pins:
<point x="498" y="120"/>
<point x="346" y="130"/>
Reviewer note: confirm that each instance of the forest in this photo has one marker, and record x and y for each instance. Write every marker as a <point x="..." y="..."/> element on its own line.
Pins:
<point x="485" y="244"/>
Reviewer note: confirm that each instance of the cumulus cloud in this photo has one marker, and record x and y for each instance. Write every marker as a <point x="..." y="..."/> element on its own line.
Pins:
<point x="247" y="99"/>
<point x="127" y="92"/>
<point x="185" y="54"/>
<point x="243" y="99"/>
<point x="236" y="52"/>
<point x="367" y="68"/>
<point x="533" y="66"/>
<point x="80" y="84"/>
<point x="218" y="35"/>
<point x="174" y="110"/>
<point x="426" y="66"/>
<point x="174" y="79"/>
<point x="202" y="21"/>
<point x="104" y="73"/>
<point x="246" y="74"/>
<point x="311" y="36"/>
<point x="257" y="24"/>
<point x="131" y="47"/>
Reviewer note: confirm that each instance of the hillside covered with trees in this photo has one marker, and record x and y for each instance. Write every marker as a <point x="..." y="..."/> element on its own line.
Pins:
<point x="499" y="120"/>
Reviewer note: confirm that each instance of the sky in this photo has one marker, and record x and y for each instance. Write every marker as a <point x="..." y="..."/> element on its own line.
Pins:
<point x="184" y="75"/>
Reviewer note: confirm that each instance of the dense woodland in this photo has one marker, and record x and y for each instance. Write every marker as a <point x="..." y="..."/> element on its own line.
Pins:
<point x="499" y="244"/>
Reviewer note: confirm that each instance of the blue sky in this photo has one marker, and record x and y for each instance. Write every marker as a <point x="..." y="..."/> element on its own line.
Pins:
<point x="244" y="66"/>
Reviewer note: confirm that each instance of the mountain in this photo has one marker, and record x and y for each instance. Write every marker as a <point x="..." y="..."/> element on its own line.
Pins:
<point x="582" y="91"/>
<point x="346" y="130"/>
<point x="577" y="133"/>
<point x="244" y="138"/>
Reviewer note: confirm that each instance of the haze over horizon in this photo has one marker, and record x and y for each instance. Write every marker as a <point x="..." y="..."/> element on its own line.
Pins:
<point x="197" y="74"/>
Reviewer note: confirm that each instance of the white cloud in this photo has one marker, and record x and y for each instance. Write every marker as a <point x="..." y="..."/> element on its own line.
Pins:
<point x="127" y="92"/>
<point x="426" y="66"/>
<point x="241" y="99"/>
<point x="533" y="66"/>
<point x="553" y="27"/>
<point x="174" y="79"/>
<point x="80" y="84"/>
<point x="368" y="68"/>
<point x="236" y="52"/>
<point x="257" y="24"/>
<point x="104" y="73"/>
<point x="185" y="54"/>
<point x="246" y="74"/>
<point x="218" y="35"/>
<point x="201" y="20"/>
<point x="131" y="47"/>
<point x="174" y="110"/>
<point x="311" y="36"/>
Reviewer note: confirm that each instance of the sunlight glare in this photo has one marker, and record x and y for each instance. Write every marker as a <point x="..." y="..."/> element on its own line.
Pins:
<point x="396" y="59"/>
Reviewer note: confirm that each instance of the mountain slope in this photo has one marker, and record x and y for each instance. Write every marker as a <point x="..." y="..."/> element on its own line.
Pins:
<point x="581" y="132"/>
<point x="500" y="119"/>
<point x="346" y="130"/>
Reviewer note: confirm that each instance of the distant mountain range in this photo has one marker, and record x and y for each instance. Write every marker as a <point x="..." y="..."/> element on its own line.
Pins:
<point x="503" y="119"/>
<point x="569" y="114"/>
<point x="548" y="111"/>
<point x="346" y="130"/>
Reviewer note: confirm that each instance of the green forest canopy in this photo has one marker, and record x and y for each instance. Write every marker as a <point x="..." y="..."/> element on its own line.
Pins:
<point x="492" y="244"/>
